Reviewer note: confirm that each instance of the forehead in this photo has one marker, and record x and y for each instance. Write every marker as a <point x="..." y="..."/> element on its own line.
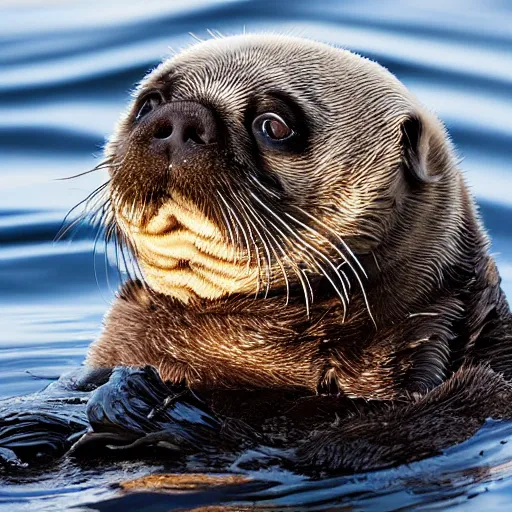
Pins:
<point x="233" y="68"/>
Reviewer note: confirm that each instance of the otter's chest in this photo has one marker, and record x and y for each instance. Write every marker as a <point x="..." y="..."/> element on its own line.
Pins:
<point x="255" y="344"/>
<point x="241" y="350"/>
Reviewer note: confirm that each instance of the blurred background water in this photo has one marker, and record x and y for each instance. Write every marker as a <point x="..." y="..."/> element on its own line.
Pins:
<point x="66" y="71"/>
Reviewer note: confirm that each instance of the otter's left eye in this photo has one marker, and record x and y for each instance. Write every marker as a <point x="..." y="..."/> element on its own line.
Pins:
<point x="272" y="127"/>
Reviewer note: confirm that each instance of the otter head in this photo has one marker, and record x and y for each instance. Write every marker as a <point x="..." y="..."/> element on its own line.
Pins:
<point x="253" y="164"/>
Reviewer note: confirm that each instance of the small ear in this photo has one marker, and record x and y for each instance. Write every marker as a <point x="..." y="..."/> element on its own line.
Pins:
<point x="415" y="147"/>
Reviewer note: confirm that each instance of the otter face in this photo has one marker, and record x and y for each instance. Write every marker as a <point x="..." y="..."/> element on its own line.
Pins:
<point x="253" y="163"/>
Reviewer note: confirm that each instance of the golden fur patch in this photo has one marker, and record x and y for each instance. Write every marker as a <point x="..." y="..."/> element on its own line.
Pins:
<point x="183" y="482"/>
<point x="183" y="254"/>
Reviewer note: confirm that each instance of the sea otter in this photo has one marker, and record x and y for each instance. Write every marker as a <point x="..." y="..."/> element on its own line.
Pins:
<point x="303" y="232"/>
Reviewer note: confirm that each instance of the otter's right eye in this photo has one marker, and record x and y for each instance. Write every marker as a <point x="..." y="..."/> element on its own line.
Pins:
<point x="150" y="103"/>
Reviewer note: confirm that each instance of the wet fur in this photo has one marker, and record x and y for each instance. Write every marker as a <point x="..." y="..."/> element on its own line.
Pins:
<point x="435" y="345"/>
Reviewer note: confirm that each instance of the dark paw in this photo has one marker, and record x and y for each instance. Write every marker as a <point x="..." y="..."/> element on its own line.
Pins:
<point x="136" y="408"/>
<point x="131" y="408"/>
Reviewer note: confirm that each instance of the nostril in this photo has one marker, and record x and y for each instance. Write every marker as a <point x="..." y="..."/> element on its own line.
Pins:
<point x="194" y="134"/>
<point x="163" y="132"/>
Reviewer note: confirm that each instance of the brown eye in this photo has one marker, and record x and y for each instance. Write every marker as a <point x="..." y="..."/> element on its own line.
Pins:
<point x="276" y="129"/>
<point x="150" y="103"/>
<point x="272" y="127"/>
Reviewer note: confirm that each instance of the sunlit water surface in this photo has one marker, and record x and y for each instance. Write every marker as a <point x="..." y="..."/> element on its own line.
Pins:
<point x="66" y="70"/>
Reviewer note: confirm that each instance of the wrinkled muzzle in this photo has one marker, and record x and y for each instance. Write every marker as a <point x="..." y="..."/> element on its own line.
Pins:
<point x="183" y="254"/>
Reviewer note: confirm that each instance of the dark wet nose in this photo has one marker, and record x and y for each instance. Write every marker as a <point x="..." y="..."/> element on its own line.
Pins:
<point x="183" y="128"/>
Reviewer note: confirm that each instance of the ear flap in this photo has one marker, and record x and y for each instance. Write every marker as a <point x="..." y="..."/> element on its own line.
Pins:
<point x="415" y="147"/>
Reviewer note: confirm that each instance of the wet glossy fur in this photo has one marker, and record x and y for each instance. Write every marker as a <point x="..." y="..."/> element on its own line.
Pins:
<point x="428" y="328"/>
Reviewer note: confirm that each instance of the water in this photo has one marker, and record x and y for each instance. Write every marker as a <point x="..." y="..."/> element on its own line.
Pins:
<point x="66" y="70"/>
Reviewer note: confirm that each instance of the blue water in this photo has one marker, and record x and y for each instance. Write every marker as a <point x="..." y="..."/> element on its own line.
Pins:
<point x="66" y="71"/>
